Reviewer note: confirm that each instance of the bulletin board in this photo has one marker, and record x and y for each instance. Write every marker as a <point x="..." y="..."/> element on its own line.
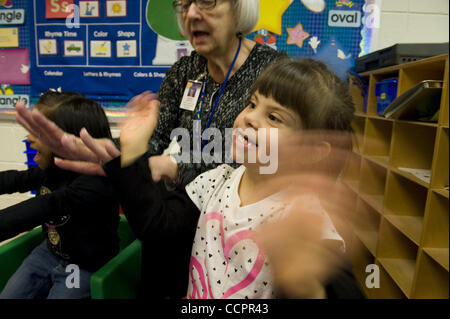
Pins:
<point x="117" y="49"/>
<point x="24" y="42"/>
<point x="331" y="31"/>
<point x="109" y="52"/>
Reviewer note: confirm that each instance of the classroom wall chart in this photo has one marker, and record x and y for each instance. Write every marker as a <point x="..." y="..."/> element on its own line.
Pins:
<point x="104" y="49"/>
<point x="115" y="49"/>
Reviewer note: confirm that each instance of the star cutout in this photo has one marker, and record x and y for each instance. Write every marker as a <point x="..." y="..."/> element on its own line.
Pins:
<point x="297" y="35"/>
<point x="271" y="13"/>
<point x="126" y="47"/>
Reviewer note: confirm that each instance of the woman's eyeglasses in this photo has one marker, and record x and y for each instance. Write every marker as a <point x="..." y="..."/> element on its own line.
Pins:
<point x="182" y="6"/>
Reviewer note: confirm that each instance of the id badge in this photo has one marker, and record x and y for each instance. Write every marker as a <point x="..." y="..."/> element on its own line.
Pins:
<point x="191" y="95"/>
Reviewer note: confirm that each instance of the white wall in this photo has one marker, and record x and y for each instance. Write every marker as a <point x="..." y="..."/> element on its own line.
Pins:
<point x="412" y="21"/>
<point x="12" y="156"/>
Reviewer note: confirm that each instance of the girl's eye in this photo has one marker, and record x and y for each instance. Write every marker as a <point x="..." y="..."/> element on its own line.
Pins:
<point x="274" y="118"/>
<point x="252" y="105"/>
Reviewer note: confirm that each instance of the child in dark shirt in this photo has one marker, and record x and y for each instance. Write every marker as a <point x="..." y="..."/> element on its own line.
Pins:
<point x="78" y="213"/>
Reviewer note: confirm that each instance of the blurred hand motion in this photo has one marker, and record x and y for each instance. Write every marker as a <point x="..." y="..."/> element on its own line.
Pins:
<point x="51" y="135"/>
<point x="302" y="259"/>
<point x="85" y="154"/>
<point x="138" y="127"/>
<point x="163" y="167"/>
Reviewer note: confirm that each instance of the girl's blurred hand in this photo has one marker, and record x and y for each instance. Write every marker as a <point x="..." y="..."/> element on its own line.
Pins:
<point x="52" y="136"/>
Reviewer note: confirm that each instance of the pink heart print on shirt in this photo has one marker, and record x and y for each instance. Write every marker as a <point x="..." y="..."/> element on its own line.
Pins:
<point x="227" y="246"/>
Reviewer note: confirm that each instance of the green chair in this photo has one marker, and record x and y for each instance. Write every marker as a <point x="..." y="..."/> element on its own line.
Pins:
<point x="13" y="253"/>
<point x="118" y="278"/>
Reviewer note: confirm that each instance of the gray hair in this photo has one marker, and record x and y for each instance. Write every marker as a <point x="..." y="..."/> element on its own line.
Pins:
<point x="247" y="15"/>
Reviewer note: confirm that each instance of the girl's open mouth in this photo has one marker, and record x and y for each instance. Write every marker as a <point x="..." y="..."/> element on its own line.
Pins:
<point x="245" y="140"/>
<point x="37" y="157"/>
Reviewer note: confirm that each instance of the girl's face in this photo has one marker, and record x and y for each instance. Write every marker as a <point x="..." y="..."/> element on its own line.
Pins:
<point x="210" y="30"/>
<point x="44" y="157"/>
<point x="262" y="113"/>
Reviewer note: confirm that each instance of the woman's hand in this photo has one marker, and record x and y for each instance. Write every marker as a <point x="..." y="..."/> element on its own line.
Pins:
<point x="84" y="154"/>
<point x="136" y="130"/>
<point x="163" y="167"/>
<point x="103" y="149"/>
<point x="52" y="136"/>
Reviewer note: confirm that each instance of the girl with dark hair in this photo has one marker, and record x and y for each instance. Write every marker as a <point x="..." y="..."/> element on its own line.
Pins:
<point x="79" y="214"/>
<point x="52" y="98"/>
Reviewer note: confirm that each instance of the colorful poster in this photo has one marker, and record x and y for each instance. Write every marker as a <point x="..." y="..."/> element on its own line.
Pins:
<point x="106" y="49"/>
<point x="57" y="9"/>
<point x="115" y="49"/>
<point x="6" y="3"/>
<point x="326" y="30"/>
<point x="15" y="66"/>
<point x="9" y="37"/>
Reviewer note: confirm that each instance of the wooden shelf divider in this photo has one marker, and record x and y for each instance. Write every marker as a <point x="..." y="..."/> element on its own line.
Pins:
<point x="402" y="220"/>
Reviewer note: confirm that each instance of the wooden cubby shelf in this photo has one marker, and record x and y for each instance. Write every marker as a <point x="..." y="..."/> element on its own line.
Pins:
<point x="351" y="172"/>
<point x="358" y="126"/>
<point x="388" y="287"/>
<point x="432" y="280"/>
<point x="436" y="239"/>
<point x="439" y="179"/>
<point x="361" y="257"/>
<point x="366" y="225"/>
<point x="412" y="148"/>
<point x="372" y="184"/>
<point x="398" y="255"/>
<point x="444" y="112"/>
<point x="399" y="175"/>
<point x="401" y="271"/>
<point x="440" y="255"/>
<point x="377" y="141"/>
<point x="405" y="205"/>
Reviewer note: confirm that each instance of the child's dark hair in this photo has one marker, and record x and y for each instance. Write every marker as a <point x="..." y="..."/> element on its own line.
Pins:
<point x="74" y="113"/>
<point x="310" y="89"/>
<point x="319" y="97"/>
<point x="51" y="99"/>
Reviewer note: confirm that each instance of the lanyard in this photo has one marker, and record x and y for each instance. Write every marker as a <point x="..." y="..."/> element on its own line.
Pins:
<point x="202" y="97"/>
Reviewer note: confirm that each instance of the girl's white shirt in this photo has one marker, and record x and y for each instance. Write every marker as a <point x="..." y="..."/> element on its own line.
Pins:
<point x="225" y="261"/>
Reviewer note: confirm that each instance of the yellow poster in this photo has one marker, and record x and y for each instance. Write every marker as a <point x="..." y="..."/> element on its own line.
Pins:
<point x="9" y="37"/>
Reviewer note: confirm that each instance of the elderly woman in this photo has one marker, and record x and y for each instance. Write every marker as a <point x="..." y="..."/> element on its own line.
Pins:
<point x="224" y="61"/>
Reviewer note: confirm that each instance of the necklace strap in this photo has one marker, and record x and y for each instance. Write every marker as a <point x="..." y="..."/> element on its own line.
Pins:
<point x="222" y="89"/>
